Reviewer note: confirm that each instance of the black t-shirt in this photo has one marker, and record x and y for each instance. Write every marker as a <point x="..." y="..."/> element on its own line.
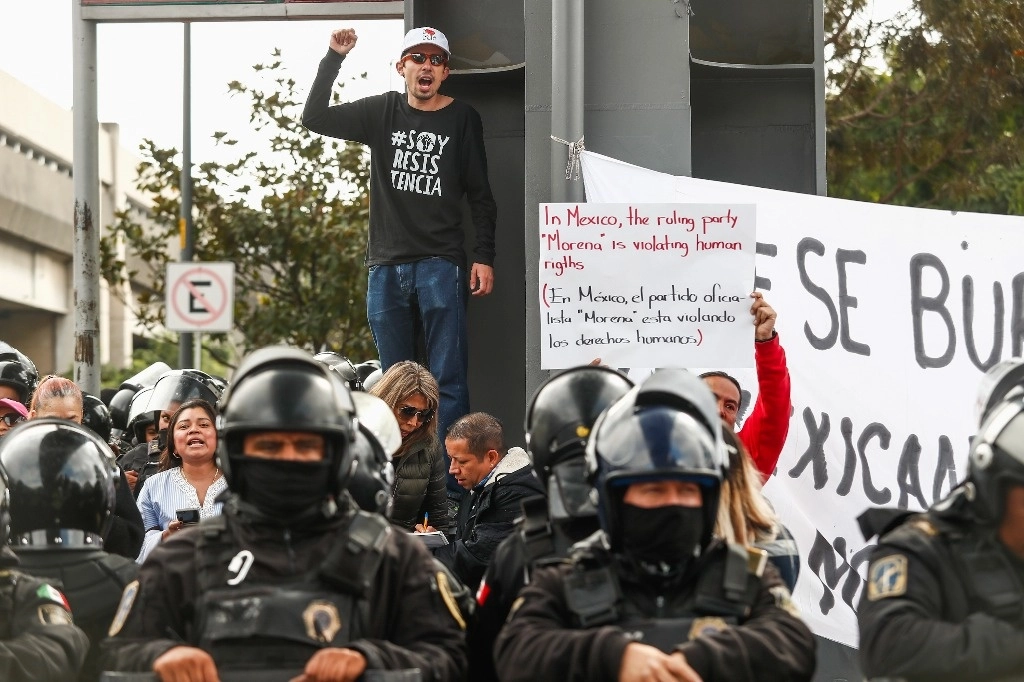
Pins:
<point x="421" y="165"/>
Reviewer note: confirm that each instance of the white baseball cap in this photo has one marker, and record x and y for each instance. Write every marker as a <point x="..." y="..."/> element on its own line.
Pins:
<point x="425" y="36"/>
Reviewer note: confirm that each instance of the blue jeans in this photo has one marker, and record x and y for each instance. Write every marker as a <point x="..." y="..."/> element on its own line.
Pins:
<point x="438" y="291"/>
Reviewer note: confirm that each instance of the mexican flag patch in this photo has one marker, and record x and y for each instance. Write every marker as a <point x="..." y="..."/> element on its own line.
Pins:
<point x="53" y="594"/>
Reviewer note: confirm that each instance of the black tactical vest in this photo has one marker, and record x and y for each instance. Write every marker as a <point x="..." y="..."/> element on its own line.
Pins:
<point x="992" y="581"/>
<point x="246" y="625"/>
<point x="727" y="589"/>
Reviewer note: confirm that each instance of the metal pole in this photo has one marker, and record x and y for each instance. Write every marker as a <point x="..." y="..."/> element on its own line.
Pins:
<point x="566" y="93"/>
<point x="187" y="229"/>
<point x="85" y="161"/>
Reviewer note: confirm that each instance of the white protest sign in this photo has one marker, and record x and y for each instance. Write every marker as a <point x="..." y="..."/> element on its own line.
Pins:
<point x="889" y="317"/>
<point x="200" y="297"/>
<point x="646" y="283"/>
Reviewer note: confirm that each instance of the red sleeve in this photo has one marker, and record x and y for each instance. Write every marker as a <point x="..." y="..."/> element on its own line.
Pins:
<point x="765" y="429"/>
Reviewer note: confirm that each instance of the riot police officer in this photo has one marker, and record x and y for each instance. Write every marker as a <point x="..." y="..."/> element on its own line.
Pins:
<point x="944" y="597"/>
<point x="59" y="537"/>
<point x="293" y="576"/>
<point x="664" y="600"/>
<point x="38" y="640"/>
<point x="558" y="421"/>
<point x="121" y="402"/>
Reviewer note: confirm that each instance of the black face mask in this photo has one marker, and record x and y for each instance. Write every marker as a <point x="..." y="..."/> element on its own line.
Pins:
<point x="668" y="535"/>
<point x="283" y="489"/>
<point x="161" y="441"/>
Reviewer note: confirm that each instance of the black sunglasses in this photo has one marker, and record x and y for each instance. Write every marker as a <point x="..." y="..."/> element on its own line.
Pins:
<point x="420" y="58"/>
<point x="12" y="418"/>
<point x="408" y="411"/>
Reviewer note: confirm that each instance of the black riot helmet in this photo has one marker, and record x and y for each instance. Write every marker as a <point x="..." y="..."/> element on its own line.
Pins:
<point x="178" y="385"/>
<point x="376" y="440"/>
<point x="563" y="411"/>
<point x="96" y="417"/>
<point x="343" y="367"/>
<point x="19" y="376"/>
<point x="996" y="459"/>
<point x="285" y="389"/>
<point x="61" y="481"/>
<point x="661" y="430"/>
<point x="9" y="352"/>
<point x="120" y="404"/>
<point x="365" y="369"/>
<point x="139" y="416"/>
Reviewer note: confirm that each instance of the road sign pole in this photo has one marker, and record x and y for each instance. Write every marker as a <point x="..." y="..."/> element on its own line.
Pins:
<point x="186" y="352"/>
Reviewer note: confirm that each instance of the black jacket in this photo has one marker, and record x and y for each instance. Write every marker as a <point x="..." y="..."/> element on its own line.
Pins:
<point x="487" y="516"/>
<point x="37" y="638"/>
<point x="92" y="580"/>
<point x="420" y="487"/>
<point x="943" y="601"/>
<point x="407" y="623"/>
<point x="126" y="532"/>
<point x="543" y="638"/>
<point x="541" y="542"/>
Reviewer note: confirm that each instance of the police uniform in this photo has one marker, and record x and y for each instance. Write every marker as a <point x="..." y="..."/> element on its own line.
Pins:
<point x="558" y="421"/>
<point x="258" y="596"/>
<point x="537" y="541"/>
<point x="944" y="597"/>
<point x="574" y="621"/>
<point x="943" y="601"/>
<point x="38" y="640"/>
<point x="92" y="581"/>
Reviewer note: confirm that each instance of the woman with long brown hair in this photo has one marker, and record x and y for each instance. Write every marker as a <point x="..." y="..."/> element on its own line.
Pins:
<point x="744" y="515"/>
<point x="188" y="480"/>
<point x="419" y="489"/>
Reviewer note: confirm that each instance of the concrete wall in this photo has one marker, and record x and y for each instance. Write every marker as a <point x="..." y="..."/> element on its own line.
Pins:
<point x="37" y="229"/>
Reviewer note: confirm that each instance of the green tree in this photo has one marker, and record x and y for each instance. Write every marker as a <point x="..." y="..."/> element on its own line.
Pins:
<point x="926" y="109"/>
<point x="293" y="219"/>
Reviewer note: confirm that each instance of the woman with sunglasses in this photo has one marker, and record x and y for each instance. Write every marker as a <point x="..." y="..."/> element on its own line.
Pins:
<point x="419" y="489"/>
<point x="11" y="412"/>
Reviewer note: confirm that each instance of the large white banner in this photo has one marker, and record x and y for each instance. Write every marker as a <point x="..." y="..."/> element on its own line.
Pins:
<point x="647" y="284"/>
<point x="889" y="317"/>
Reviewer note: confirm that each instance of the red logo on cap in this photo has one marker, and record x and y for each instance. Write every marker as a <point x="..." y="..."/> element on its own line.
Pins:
<point x="429" y="32"/>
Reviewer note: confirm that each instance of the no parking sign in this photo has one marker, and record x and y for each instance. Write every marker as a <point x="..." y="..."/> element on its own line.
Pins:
<point x="200" y="297"/>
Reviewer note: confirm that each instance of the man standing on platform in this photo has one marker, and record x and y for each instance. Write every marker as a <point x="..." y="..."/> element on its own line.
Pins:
<point x="427" y="152"/>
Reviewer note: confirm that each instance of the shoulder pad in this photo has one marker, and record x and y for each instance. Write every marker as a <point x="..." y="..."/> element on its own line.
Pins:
<point x="923" y="525"/>
<point x="914" y="527"/>
<point x="881" y="520"/>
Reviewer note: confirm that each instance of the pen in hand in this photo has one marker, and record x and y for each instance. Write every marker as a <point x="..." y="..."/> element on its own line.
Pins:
<point x="425" y="528"/>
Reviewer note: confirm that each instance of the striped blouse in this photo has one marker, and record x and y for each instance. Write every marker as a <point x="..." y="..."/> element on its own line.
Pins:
<point x="163" y="495"/>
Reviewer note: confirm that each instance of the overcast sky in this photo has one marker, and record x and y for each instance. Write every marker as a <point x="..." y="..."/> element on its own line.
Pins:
<point x="139" y="68"/>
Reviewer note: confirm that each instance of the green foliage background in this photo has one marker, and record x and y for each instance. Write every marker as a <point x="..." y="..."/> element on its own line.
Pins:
<point x="293" y="219"/>
<point x="926" y="110"/>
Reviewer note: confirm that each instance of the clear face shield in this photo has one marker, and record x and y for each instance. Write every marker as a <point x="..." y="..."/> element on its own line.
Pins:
<point x="174" y="388"/>
<point x="569" y="494"/>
